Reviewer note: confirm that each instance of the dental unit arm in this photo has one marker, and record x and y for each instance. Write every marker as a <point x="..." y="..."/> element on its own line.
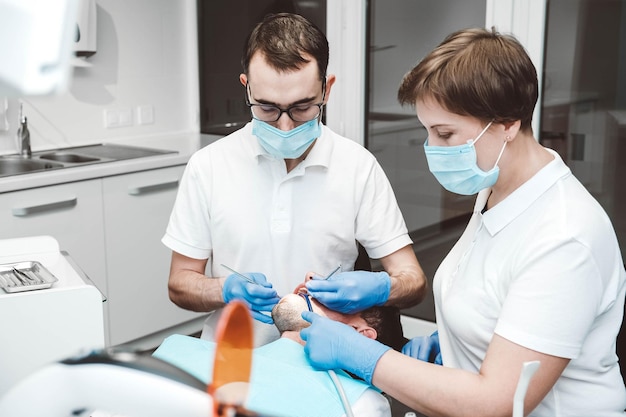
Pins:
<point x="121" y="383"/>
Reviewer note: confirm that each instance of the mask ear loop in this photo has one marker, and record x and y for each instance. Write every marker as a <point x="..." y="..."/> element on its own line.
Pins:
<point x="500" y="154"/>
<point x="480" y="135"/>
<point x="319" y="118"/>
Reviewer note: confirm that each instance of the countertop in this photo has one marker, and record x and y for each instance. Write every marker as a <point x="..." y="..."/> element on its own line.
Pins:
<point x="185" y="144"/>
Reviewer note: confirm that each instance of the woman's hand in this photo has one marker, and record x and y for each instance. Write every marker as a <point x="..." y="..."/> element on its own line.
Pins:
<point x="334" y="345"/>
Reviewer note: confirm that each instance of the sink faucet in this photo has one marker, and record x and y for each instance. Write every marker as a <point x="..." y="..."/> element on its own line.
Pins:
<point x="23" y="137"/>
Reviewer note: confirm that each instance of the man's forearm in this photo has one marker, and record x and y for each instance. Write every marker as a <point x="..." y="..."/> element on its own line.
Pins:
<point x="408" y="288"/>
<point x="408" y="282"/>
<point x="196" y="292"/>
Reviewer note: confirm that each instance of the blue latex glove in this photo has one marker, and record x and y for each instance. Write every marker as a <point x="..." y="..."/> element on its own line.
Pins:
<point x="261" y="297"/>
<point x="352" y="291"/>
<point x="334" y="345"/>
<point x="424" y="348"/>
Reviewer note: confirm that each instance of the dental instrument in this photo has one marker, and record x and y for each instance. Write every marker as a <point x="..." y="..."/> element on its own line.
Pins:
<point x="331" y="373"/>
<point x="333" y="273"/>
<point x="327" y="276"/>
<point x="306" y="298"/>
<point x="23" y="276"/>
<point x="240" y="275"/>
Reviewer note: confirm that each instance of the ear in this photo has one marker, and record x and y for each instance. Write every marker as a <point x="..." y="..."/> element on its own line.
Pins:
<point x="243" y="79"/>
<point x="330" y="80"/>
<point x="511" y="129"/>
<point x="368" y="332"/>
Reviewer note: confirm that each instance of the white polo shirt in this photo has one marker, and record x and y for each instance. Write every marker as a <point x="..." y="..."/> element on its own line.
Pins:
<point x="542" y="269"/>
<point x="238" y="206"/>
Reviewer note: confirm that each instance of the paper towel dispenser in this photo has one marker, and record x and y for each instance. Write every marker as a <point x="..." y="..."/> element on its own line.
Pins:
<point x="85" y="39"/>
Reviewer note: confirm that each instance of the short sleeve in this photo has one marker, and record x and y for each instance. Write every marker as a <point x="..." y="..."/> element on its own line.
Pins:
<point x="554" y="299"/>
<point x="188" y="230"/>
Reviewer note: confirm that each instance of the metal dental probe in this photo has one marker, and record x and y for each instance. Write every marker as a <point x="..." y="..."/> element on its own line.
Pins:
<point x="329" y="275"/>
<point x="24" y="275"/>
<point x="333" y="273"/>
<point x="240" y="275"/>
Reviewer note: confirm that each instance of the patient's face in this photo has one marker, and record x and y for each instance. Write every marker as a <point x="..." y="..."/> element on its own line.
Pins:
<point x="287" y="313"/>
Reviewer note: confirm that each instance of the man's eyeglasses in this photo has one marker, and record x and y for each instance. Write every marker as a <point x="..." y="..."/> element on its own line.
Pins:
<point x="297" y="112"/>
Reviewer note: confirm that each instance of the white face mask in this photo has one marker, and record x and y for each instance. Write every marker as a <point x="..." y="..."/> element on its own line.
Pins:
<point x="456" y="169"/>
<point x="286" y="144"/>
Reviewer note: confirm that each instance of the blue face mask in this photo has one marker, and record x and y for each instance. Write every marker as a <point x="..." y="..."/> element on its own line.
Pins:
<point x="290" y="144"/>
<point x="456" y="169"/>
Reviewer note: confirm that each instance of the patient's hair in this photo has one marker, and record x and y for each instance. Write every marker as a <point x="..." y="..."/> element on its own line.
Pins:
<point x="287" y="317"/>
<point x="386" y="321"/>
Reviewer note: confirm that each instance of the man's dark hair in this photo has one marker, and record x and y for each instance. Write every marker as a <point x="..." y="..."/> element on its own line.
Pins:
<point x="282" y="39"/>
<point x="386" y="321"/>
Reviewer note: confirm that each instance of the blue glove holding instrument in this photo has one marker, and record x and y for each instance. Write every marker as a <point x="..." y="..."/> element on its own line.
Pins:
<point x="334" y="345"/>
<point x="352" y="291"/>
<point x="254" y="289"/>
<point x="424" y="348"/>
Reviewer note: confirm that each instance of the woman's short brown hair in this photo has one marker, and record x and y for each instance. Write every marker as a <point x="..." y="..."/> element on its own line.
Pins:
<point x="479" y="73"/>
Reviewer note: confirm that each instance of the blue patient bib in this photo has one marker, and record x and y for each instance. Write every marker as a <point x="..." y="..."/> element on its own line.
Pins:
<point x="283" y="383"/>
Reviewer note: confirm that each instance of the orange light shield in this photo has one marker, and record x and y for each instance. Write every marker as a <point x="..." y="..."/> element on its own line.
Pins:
<point x="233" y="359"/>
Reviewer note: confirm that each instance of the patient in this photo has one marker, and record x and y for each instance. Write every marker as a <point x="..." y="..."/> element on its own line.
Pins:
<point x="379" y="323"/>
<point x="283" y="383"/>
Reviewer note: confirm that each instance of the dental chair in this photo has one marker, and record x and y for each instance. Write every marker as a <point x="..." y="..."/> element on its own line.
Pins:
<point x="129" y="384"/>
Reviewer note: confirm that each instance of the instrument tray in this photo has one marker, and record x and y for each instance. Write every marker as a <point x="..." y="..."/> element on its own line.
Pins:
<point x="25" y="276"/>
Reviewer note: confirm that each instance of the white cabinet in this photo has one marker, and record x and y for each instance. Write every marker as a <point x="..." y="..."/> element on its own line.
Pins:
<point x="71" y="213"/>
<point x="136" y="212"/>
<point x="112" y="227"/>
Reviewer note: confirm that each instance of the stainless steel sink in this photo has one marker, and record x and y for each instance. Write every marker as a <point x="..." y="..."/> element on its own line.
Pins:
<point x="68" y="157"/>
<point x="16" y="165"/>
<point x="73" y="157"/>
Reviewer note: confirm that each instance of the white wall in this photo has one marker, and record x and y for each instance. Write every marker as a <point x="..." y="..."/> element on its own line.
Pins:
<point x="147" y="56"/>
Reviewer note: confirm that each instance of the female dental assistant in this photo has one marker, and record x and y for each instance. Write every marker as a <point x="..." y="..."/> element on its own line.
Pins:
<point x="537" y="274"/>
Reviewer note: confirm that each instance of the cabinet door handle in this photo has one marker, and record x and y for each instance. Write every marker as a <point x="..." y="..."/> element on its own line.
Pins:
<point x="26" y="211"/>
<point x="145" y="189"/>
